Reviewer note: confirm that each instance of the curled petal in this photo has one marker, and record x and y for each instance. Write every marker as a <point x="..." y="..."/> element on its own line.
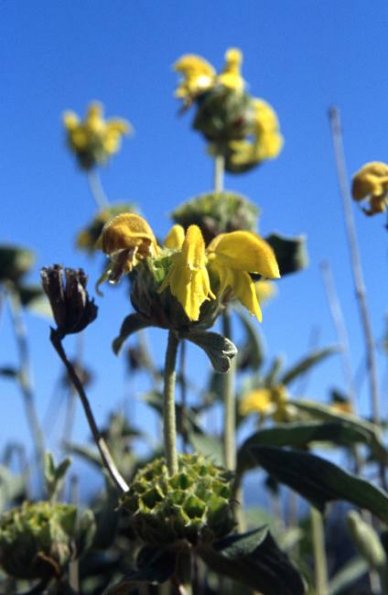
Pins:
<point x="244" y="251"/>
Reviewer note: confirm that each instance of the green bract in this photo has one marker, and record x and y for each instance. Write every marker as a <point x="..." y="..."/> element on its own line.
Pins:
<point x="194" y="504"/>
<point x="37" y="540"/>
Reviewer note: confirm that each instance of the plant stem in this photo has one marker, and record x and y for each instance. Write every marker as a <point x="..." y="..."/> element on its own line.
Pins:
<point x="169" y="417"/>
<point x="106" y="456"/>
<point x="320" y="561"/>
<point x="184" y="571"/>
<point x="342" y="335"/>
<point x="24" y="374"/>
<point x="229" y="402"/>
<point x="336" y="132"/>
<point x="219" y="171"/>
<point x="97" y="190"/>
<point x="183" y="387"/>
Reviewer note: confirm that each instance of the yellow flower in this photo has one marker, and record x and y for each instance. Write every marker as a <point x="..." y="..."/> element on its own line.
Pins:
<point x="231" y="77"/>
<point x="198" y="77"/>
<point x="126" y="239"/>
<point x="175" y="237"/>
<point x="188" y="277"/>
<point x="266" y="401"/>
<point x="94" y="139"/>
<point x="232" y="256"/>
<point x="371" y="183"/>
<point x="266" y="142"/>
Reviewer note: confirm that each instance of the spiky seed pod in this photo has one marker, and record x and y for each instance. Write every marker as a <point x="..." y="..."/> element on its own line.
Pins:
<point x="37" y="539"/>
<point x="193" y="505"/>
<point x="217" y="212"/>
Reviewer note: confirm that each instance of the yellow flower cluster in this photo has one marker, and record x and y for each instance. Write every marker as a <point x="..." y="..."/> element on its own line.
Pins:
<point x="195" y="273"/>
<point x="94" y="139"/>
<point x="371" y="183"/>
<point x="267" y="402"/>
<point x="251" y="127"/>
<point x="198" y="76"/>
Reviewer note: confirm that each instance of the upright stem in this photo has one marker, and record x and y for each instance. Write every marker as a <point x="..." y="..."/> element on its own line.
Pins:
<point x="97" y="190"/>
<point x="169" y="418"/>
<point x="24" y="375"/>
<point x="184" y="571"/>
<point x="106" y="456"/>
<point x="339" y="324"/>
<point x="219" y="171"/>
<point x="229" y="402"/>
<point x="336" y="132"/>
<point x="320" y="561"/>
<point x="183" y="387"/>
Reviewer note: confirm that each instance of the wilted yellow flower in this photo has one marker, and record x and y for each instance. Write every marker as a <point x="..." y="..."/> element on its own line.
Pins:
<point x="371" y="183"/>
<point x="198" y="76"/>
<point x="232" y="256"/>
<point x="266" y="142"/>
<point x="266" y="402"/>
<point x="231" y="77"/>
<point x="188" y="277"/>
<point x="94" y="139"/>
<point x="126" y="239"/>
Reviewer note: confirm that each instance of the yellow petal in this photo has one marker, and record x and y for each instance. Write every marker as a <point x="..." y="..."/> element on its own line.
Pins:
<point x="245" y="251"/>
<point x="257" y="401"/>
<point x="371" y="179"/>
<point x="175" y="237"/>
<point x="188" y="278"/>
<point x="240" y="284"/>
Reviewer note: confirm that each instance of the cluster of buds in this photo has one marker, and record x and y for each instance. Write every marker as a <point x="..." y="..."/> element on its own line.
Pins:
<point x="38" y="540"/>
<point x="194" y="504"/>
<point x="370" y="183"/>
<point x="94" y="140"/>
<point x="241" y="128"/>
<point x="184" y="281"/>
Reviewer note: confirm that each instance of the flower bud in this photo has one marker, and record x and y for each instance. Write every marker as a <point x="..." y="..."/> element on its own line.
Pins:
<point x="66" y="290"/>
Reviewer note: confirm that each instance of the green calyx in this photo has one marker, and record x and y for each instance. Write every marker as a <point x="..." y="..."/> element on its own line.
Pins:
<point x="161" y="308"/>
<point x="217" y="212"/>
<point x="193" y="505"/>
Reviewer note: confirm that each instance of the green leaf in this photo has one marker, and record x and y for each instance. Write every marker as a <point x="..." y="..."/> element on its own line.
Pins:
<point x="298" y="435"/>
<point x="54" y="475"/>
<point x="154" y="566"/>
<point x="327" y="413"/>
<point x="131" y="324"/>
<point x="14" y="262"/>
<point x="9" y="372"/>
<point x="209" y="446"/>
<point x="306" y="363"/>
<point x="255" y="560"/>
<point x="320" y="481"/>
<point x="291" y="253"/>
<point x="86" y="531"/>
<point x="218" y="349"/>
<point x="349" y="574"/>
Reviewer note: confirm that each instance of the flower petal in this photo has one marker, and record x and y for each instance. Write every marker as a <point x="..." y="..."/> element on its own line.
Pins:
<point x="175" y="237"/>
<point x="245" y="251"/>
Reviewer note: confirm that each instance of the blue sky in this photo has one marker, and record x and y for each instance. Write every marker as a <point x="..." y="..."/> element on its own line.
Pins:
<point x="302" y="57"/>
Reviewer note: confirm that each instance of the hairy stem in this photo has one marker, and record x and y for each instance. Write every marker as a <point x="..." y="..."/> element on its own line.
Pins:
<point x="169" y="417"/>
<point x="229" y="402"/>
<point x="320" y="561"/>
<point x="97" y="190"/>
<point x="219" y="172"/>
<point x="24" y="375"/>
<point x="336" y="132"/>
<point x="106" y="456"/>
